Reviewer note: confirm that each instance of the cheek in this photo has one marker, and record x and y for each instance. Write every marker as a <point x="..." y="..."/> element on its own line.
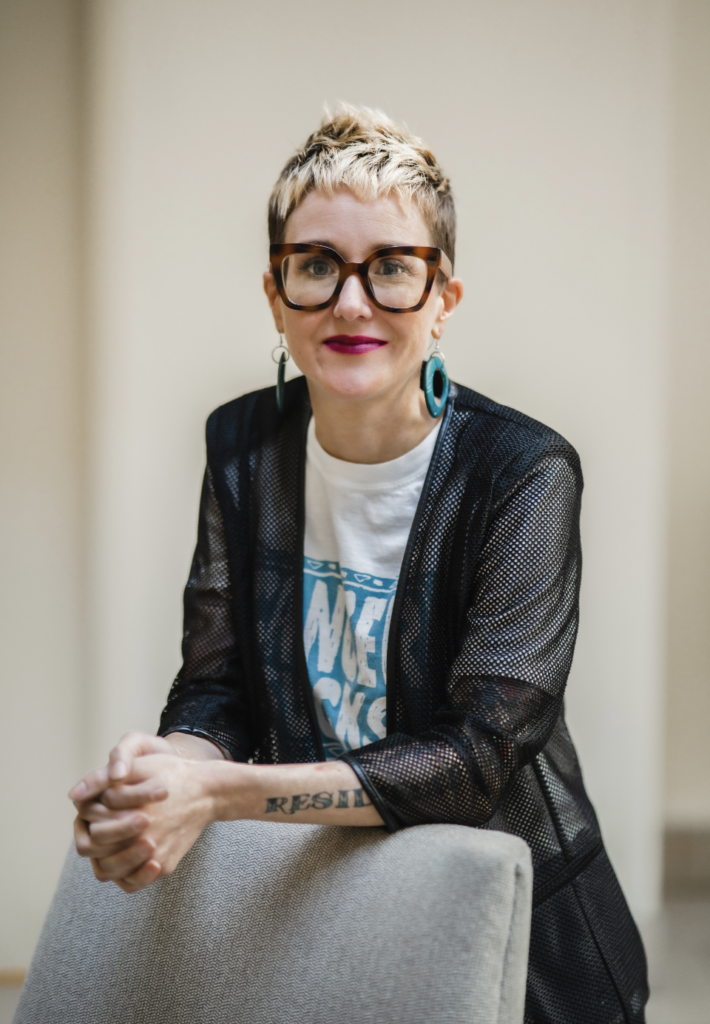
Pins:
<point x="297" y="327"/>
<point x="415" y="338"/>
<point x="299" y="331"/>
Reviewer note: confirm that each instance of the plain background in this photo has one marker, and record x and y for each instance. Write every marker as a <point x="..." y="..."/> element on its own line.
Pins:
<point x="139" y="140"/>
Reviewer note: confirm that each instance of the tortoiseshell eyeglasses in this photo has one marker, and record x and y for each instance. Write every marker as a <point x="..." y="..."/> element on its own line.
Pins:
<point x="397" y="279"/>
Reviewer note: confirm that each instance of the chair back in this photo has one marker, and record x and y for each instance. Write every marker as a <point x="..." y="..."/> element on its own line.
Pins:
<point x="295" y="924"/>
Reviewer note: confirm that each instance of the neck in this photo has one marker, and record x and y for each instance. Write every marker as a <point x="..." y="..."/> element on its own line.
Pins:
<point x="371" y="430"/>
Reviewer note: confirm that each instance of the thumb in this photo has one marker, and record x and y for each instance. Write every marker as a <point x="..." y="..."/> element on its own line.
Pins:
<point x="131" y="746"/>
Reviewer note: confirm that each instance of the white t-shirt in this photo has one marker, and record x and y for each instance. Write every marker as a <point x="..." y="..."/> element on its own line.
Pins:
<point x="358" y="519"/>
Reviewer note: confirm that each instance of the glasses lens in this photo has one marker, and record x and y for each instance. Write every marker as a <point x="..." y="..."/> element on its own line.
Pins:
<point x="398" y="281"/>
<point x="309" y="278"/>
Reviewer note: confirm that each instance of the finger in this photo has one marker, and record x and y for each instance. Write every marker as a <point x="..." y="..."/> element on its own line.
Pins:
<point x="98" y="873"/>
<point x="121" y="865"/>
<point x="86" y="847"/>
<point x="142" y="878"/>
<point x="103" y="876"/>
<point x="119" y="798"/>
<point x="92" y="785"/>
<point x="131" y="746"/>
<point x="95" y="810"/>
<point x="82" y="839"/>
<point x="117" y="830"/>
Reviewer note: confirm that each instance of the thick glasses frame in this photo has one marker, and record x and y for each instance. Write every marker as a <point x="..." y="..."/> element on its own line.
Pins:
<point x="435" y="259"/>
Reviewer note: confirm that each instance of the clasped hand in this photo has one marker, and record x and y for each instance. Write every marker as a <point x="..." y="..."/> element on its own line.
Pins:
<point x="138" y="816"/>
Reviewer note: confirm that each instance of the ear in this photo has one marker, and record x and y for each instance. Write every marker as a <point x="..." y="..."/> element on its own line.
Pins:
<point x="275" y="303"/>
<point x="450" y="296"/>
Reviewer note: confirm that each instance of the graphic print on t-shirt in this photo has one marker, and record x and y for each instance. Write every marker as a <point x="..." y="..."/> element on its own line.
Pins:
<point x="346" y="618"/>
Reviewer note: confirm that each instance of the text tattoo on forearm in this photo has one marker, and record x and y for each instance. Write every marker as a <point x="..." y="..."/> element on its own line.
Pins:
<point x="344" y="798"/>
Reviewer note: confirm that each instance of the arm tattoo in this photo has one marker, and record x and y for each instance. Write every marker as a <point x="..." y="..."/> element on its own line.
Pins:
<point x="317" y="801"/>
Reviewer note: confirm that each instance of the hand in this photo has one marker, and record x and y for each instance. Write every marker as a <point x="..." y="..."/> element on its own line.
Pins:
<point x="115" y="812"/>
<point x="127" y="861"/>
<point x="136" y="744"/>
<point x="132" y="840"/>
<point x="140" y="815"/>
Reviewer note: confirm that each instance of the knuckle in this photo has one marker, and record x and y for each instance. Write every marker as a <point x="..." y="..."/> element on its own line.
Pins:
<point x="124" y="741"/>
<point x="101" y="839"/>
<point x="99" y="872"/>
<point x="109" y="868"/>
<point x="83" y="844"/>
<point x="144" y="848"/>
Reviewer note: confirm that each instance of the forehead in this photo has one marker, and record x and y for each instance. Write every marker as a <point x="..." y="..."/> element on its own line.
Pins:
<point x="356" y="226"/>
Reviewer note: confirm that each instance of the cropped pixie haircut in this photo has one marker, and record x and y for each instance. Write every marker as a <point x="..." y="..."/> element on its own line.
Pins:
<point x="367" y="152"/>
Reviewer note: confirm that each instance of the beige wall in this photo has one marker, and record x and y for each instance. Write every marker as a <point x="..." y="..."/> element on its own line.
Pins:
<point x="553" y="120"/>
<point x="688" y="706"/>
<point x="40" y="459"/>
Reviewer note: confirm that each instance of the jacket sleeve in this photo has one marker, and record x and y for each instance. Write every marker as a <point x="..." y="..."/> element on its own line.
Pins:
<point x="208" y="697"/>
<point x="503" y="692"/>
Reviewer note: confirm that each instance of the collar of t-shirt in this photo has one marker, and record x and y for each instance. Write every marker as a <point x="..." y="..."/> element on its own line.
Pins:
<point x="360" y="515"/>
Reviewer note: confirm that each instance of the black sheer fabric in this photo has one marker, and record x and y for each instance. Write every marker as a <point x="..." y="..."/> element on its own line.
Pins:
<point x="480" y="646"/>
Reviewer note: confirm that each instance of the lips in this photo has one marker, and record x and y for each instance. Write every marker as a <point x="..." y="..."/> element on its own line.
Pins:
<point x="353" y="344"/>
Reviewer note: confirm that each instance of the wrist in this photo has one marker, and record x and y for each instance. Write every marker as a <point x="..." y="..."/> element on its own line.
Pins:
<point x="228" y="789"/>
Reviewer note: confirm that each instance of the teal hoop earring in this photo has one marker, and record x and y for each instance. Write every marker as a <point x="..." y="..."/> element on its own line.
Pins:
<point x="281" y="359"/>
<point x="434" y="382"/>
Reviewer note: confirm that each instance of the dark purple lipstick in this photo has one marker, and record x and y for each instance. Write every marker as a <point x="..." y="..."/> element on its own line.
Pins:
<point x="353" y="344"/>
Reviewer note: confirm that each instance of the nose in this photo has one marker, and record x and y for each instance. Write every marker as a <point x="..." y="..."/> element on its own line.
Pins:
<point x="353" y="303"/>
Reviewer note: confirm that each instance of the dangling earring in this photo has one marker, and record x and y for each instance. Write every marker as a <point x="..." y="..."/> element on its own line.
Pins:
<point x="434" y="382"/>
<point x="281" y="372"/>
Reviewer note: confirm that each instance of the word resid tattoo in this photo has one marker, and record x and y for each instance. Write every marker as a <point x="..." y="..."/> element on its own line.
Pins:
<point x="317" y="801"/>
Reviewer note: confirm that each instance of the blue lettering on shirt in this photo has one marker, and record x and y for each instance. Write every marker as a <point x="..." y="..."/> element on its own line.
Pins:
<point x="346" y="619"/>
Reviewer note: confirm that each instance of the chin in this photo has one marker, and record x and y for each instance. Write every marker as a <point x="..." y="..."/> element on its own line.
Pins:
<point x="352" y="385"/>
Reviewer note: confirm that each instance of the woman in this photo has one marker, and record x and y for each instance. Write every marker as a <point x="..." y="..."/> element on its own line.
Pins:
<point x="382" y="607"/>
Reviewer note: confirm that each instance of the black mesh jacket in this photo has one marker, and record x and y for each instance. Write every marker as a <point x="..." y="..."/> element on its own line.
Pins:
<point x="480" y="647"/>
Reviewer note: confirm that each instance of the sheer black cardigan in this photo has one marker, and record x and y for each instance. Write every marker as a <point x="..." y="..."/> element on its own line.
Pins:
<point x="480" y="646"/>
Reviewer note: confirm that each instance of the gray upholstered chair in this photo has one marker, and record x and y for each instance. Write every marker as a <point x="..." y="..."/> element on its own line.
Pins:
<point x="295" y="924"/>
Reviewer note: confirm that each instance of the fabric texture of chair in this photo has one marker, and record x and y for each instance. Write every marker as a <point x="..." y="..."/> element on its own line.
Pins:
<point x="276" y="924"/>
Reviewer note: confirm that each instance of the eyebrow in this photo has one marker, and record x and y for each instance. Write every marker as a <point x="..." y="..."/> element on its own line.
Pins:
<point x="378" y="245"/>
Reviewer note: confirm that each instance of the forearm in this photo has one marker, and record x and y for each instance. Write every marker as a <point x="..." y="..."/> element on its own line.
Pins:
<point x="140" y="815"/>
<point x="325" y="793"/>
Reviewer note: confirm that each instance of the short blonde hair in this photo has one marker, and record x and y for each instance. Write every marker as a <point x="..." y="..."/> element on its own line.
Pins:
<point x="367" y="152"/>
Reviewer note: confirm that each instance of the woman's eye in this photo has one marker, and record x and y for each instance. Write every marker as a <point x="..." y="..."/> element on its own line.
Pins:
<point x="317" y="268"/>
<point x="391" y="268"/>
